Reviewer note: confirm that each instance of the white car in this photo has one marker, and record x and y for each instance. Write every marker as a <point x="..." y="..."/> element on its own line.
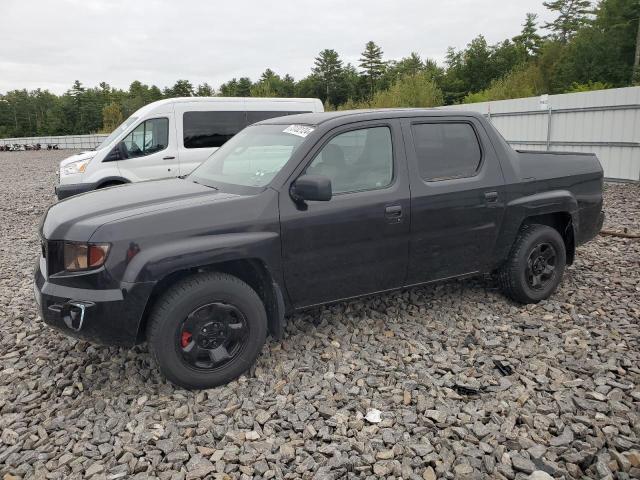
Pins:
<point x="169" y="138"/>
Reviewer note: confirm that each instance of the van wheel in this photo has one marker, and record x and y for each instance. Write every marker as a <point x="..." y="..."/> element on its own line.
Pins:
<point x="207" y="330"/>
<point x="535" y="266"/>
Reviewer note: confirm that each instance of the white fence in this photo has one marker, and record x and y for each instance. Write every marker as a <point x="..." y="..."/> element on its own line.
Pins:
<point x="605" y="122"/>
<point x="72" y="142"/>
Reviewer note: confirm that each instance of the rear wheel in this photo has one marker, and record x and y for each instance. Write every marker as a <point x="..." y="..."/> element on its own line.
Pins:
<point x="207" y="330"/>
<point x="535" y="266"/>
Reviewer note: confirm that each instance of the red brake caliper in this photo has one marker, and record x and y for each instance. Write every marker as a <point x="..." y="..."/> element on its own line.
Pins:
<point x="185" y="339"/>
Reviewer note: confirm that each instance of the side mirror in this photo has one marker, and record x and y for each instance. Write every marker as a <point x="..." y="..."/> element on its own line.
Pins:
<point x="311" y="187"/>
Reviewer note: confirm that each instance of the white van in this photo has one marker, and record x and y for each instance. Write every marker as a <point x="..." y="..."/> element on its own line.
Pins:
<point x="169" y="138"/>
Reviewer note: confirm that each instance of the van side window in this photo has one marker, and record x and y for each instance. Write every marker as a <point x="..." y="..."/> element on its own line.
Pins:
<point x="211" y="129"/>
<point x="446" y="150"/>
<point x="356" y="160"/>
<point x="149" y="137"/>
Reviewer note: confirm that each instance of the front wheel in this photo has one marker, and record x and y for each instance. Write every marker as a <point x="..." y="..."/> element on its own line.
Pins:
<point x="207" y="330"/>
<point x="535" y="266"/>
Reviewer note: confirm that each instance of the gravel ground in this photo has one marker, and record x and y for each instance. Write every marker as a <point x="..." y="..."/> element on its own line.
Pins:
<point x="423" y="359"/>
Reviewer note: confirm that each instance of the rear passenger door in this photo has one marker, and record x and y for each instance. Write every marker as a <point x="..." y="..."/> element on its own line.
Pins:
<point x="457" y="197"/>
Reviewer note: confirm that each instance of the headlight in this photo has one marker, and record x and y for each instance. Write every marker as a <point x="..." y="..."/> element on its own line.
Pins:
<point x="74" y="167"/>
<point x="84" y="256"/>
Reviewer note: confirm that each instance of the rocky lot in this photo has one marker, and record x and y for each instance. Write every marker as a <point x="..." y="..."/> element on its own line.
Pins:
<point x="447" y="381"/>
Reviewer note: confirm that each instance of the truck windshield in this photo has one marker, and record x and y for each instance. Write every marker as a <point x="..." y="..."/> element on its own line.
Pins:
<point x="113" y="135"/>
<point x="253" y="157"/>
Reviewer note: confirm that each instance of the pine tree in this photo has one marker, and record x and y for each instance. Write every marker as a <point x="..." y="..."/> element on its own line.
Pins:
<point x="205" y="90"/>
<point x="572" y="14"/>
<point x="327" y="67"/>
<point x="372" y="64"/>
<point x="529" y="38"/>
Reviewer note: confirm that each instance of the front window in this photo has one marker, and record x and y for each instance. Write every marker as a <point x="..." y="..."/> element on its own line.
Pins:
<point x="356" y="160"/>
<point x="149" y="137"/>
<point x="116" y="133"/>
<point x="253" y="157"/>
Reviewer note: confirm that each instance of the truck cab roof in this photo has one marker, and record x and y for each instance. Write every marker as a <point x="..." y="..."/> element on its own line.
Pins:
<point x="364" y="115"/>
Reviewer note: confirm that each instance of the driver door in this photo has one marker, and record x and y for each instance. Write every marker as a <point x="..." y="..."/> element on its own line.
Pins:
<point x="149" y="151"/>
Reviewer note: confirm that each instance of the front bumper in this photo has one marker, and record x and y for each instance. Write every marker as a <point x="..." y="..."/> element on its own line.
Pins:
<point x="67" y="190"/>
<point x="110" y="316"/>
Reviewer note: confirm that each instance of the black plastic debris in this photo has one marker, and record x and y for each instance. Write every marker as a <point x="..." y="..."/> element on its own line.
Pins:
<point x="464" y="390"/>
<point x="503" y="368"/>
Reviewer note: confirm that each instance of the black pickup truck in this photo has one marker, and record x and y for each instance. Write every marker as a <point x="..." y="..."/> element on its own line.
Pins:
<point x="305" y="210"/>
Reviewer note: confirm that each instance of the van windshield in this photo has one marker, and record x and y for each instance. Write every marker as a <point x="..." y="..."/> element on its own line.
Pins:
<point x="253" y="157"/>
<point x="113" y="135"/>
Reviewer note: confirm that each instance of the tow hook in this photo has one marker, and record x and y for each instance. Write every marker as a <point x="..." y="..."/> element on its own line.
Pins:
<point x="72" y="313"/>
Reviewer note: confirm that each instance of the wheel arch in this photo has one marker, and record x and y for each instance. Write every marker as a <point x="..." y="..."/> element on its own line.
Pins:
<point x="554" y="208"/>
<point x="112" y="180"/>
<point x="252" y="271"/>
<point x="562" y="222"/>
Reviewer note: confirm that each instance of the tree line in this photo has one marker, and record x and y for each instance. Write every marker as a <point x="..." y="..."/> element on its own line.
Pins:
<point x="586" y="47"/>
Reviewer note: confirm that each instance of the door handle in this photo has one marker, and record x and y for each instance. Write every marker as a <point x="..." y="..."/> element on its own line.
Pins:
<point x="491" y="197"/>
<point x="169" y="158"/>
<point x="393" y="211"/>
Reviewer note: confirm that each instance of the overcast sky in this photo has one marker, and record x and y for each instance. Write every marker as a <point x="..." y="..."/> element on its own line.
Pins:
<point x="49" y="44"/>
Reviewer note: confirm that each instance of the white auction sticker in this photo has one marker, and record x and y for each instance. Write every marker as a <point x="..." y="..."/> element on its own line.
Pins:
<point x="299" y="130"/>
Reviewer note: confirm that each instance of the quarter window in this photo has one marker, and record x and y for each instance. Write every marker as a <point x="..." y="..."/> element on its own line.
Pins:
<point x="446" y="150"/>
<point x="149" y="137"/>
<point x="356" y="160"/>
<point x="211" y="129"/>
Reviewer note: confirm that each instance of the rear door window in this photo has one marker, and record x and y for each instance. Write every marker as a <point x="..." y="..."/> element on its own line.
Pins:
<point x="446" y="150"/>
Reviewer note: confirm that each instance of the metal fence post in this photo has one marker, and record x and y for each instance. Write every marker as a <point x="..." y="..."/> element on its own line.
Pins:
<point x="549" y="114"/>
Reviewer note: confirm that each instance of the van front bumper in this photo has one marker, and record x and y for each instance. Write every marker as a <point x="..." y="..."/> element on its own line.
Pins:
<point x="108" y="317"/>
<point x="68" y="190"/>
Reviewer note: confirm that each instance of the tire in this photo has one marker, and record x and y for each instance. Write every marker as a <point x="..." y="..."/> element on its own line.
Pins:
<point x="525" y="277"/>
<point x="197" y="303"/>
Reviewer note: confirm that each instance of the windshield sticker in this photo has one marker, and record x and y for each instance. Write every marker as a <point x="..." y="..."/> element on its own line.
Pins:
<point x="299" y="130"/>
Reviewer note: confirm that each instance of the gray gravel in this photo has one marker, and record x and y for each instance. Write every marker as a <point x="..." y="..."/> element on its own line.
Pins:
<point x="399" y="385"/>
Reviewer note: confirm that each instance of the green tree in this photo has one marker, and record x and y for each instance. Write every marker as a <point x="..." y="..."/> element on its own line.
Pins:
<point x="372" y="65"/>
<point x="205" y="90"/>
<point x="524" y="81"/>
<point x="182" y="88"/>
<point x="604" y="50"/>
<point x="572" y="16"/>
<point x="327" y="68"/>
<point x="417" y="90"/>
<point x="111" y="117"/>
<point x="529" y="40"/>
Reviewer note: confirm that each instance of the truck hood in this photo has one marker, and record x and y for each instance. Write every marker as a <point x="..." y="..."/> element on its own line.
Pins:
<point x="78" y="217"/>
<point x="76" y="157"/>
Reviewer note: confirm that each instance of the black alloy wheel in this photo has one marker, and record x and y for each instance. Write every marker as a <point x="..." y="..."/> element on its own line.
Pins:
<point x="541" y="265"/>
<point x="212" y="335"/>
<point x="206" y="330"/>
